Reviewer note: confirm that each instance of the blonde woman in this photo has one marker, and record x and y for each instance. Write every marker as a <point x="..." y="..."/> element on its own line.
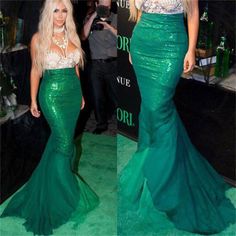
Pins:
<point x="167" y="173"/>
<point x="54" y="194"/>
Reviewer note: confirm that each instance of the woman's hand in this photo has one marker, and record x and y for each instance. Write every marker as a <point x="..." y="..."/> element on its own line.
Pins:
<point x="34" y="110"/>
<point x="82" y="104"/>
<point x="189" y="61"/>
<point x="130" y="60"/>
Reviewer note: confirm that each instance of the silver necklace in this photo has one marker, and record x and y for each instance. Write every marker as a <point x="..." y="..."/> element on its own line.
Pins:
<point x="62" y="43"/>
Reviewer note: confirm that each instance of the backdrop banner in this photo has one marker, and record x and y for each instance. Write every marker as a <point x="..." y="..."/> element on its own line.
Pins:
<point x="129" y="96"/>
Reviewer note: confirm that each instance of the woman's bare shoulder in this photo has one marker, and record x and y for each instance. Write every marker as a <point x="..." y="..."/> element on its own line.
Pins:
<point x="35" y="38"/>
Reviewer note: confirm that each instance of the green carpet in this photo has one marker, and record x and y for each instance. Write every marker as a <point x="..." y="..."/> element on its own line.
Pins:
<point x="128" y="222"/>
<point x="98" y="167"/>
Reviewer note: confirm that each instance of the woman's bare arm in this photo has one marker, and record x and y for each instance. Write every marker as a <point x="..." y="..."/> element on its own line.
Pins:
<point x="139" y="15"/>
<point x="193" y="25"/>
<point x="78" y="74"/>
<point x="77" y="71"/>
<point x="138" y="18"/>
<point x="35" y="76"/>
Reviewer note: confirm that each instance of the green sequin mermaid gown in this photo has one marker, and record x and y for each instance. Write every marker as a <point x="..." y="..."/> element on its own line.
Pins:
<point x="54" y="194"/>
<point x="167" y="173"/>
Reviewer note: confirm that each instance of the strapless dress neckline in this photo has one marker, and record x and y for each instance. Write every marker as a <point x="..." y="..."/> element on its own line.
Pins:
<point x="55" y="60"/>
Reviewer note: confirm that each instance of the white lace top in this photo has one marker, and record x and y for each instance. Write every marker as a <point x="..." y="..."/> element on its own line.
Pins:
<point x="54" y="60"/>
<point x="160" y="6"/>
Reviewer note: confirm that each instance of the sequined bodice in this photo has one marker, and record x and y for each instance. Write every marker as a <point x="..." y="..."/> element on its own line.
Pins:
<point x="160" y="6"/>
<point x="54" y="60"/>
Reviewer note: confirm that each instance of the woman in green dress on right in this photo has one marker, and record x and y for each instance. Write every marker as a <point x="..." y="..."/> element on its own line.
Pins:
<point x="167" y="172"/>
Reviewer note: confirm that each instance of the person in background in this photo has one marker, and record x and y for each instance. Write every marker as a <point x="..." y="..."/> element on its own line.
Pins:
<point x="100" y="28"/>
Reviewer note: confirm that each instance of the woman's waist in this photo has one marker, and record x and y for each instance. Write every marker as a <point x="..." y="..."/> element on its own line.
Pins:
<point x="58" y="78"/>
<point x="167" y="21"/>
<point x="59" y="74"/>
<point x="160" y="28"/>
<point x="59" y="71"/>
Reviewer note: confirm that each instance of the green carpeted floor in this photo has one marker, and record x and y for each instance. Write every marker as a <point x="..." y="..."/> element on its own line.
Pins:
<point x="98" y="167"/>
<point x="128" y="222"/>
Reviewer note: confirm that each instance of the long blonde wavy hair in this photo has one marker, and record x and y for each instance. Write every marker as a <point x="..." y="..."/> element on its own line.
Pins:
<point x="45" y="30"/>
<point x="134" y="11"/>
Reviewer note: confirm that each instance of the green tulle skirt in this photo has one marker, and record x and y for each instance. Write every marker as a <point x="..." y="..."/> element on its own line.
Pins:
<point x="54" y="194"/>
<point x="167" y="173"/>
